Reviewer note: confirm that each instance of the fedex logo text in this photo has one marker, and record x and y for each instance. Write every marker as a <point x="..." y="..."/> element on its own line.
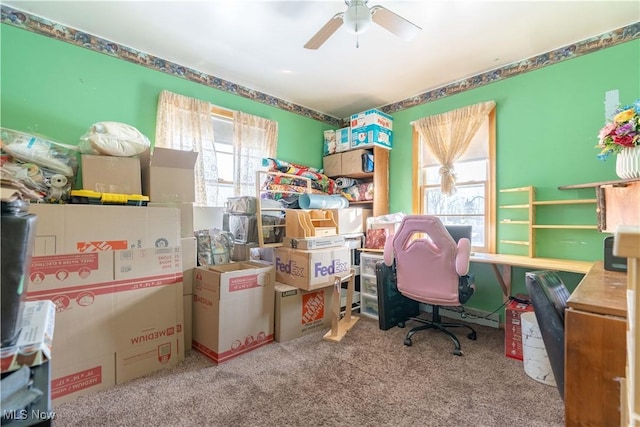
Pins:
<point x="290" y="268"/>
<point x="335" y="267"/>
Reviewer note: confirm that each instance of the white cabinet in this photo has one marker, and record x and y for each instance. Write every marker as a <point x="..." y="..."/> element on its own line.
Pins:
<point x="368" y="284"/>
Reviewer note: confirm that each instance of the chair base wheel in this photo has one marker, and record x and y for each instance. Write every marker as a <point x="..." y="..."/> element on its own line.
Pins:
<point x="472" y="336"/>
<point x="407" y="342"/>
<point x="401" y="325"/>
<point x="457" y="352"/>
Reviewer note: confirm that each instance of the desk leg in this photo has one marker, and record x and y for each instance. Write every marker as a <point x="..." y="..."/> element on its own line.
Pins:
<point x="504" y="279"/>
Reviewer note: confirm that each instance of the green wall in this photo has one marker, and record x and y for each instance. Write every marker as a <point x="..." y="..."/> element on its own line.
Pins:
<point x="547" y="123"/>
<point x="58" y="90"/>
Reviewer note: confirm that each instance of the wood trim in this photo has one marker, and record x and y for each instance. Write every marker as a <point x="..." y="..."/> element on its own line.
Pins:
<point x="490" y="202"/>
<point x="417" y="184"/>
<point x="221" y="112"/>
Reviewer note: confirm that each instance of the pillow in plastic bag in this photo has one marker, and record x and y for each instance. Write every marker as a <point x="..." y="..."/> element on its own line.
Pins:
<point x="113" y="139"/>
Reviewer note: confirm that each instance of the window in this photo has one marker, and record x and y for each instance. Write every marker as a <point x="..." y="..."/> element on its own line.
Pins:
<point x="219" y="187"/>
<point x="231" y="144"/>
<point x="472" y="202"/>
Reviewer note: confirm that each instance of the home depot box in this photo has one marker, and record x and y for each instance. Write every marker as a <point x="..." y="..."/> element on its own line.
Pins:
<point x="351" y="220"/>
<point x="65" y="229"/>
<point x="512" y="327"/>
<point x="299" y="312"/>
<point x="109" y="174"/>
<point x="131" y="317"/>
<point x="310" y="269"/>
<point x="233" y="309"/>
<point x="168" y="175"/>
<point x="371" y="127"/>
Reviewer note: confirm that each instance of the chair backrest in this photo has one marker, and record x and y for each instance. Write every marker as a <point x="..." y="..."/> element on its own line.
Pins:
<point x="549" y="296"/>
<point x="428" y="260"/>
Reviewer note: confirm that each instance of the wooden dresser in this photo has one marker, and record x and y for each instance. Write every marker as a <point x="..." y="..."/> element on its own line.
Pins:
<point x="595" y="348"/>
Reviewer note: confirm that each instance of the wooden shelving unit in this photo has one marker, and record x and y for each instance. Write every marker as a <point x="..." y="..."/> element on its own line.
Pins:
<point x="262" y="178"/>
<point x="530" y="205"/>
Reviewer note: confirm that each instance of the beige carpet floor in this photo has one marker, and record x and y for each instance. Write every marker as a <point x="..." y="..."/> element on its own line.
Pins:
<point x="368" y="379"/>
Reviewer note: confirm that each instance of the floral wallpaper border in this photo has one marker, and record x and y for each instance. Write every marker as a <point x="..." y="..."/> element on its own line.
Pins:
<point x="61" y="32"/>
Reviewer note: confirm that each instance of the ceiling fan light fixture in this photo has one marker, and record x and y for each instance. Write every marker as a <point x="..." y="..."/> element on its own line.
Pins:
<point x="357" y="18"/>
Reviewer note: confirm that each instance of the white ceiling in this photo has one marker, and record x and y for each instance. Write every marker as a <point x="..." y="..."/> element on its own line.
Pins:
<point x="259" y="44"/>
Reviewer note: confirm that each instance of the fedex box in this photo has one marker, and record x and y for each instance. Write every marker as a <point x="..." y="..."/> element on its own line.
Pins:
<point x="300" y="312"/>
<point x="371" y="127"/>
<point x="311" y="269"/>
<point x="513" y="328"/>
<point x="233" y="309"/>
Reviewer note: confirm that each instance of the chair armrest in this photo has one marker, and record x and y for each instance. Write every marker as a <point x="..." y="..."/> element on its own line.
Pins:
<point x="462" y="256"/>
<point x="388" y="251"/>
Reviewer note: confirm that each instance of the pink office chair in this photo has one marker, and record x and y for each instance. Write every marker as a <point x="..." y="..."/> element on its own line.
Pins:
<point x="431" y="268"/>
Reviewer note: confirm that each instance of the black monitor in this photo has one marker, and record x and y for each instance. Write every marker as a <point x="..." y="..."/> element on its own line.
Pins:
<point x="459" y="231"/>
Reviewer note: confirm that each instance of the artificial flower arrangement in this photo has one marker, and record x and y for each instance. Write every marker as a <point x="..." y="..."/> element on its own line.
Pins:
<point x="622" y="132"/>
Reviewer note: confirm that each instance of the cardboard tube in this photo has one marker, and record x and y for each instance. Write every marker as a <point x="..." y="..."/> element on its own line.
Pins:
<point x="322" y="201"/>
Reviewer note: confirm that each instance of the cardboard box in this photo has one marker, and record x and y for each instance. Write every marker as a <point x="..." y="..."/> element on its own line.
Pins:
<point x="233" y="309"/>
<point x="187" y="302"/>
<point x="371" y="127"/>
<point x="311" y="269"/>
<point x="332" y="164"/>
<point x="72" y="380"/>
<point x="186" y="216"/>
<point x="351" y="220"/>
<point x="149" y="330"/>
<point x="343" y="139"/>
<point x="109" y="174"/>
<point x="65" y="229"/>
<point x="351" y="162"/>
<point x="371" y="135"/>
<point x="300" y="312"/>
<point x="313" y="242"/>
<point x="512" y="327"/>
<point x="188" y="250"/>
<point x="329" y="146"/>
<point x="168" y="175"/>
<point x="60" y="271"/>
<point x="130" y="317"/>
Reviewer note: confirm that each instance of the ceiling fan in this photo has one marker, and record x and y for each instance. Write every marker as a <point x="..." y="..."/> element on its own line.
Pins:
<point x="357" y="19"/>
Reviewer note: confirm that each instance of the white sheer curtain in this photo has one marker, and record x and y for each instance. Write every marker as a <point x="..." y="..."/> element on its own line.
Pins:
<point x="253" y="139"/>
<point x="184" y="123"/>
<point x="448" y="135"/>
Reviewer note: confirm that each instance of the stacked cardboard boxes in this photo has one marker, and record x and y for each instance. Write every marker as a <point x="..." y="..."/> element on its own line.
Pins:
<point x="115" y="276"/>
<point x="305" y="270"/>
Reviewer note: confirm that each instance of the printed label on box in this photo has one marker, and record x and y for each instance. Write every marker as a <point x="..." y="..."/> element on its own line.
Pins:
<point x="76" y="382"/>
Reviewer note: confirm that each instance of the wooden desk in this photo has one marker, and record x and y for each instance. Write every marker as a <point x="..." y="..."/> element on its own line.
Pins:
<point x="508" y="261"/>
<point x="595" y="348"/>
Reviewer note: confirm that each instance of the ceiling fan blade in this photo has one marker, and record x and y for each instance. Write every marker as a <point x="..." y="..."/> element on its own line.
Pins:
<point x="394" y="23"/>
<point x="325" y="32"/>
